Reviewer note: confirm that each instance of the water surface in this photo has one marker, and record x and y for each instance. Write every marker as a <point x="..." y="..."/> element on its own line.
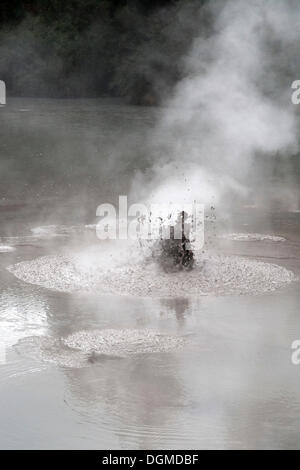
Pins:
<point x="232" y="385"/>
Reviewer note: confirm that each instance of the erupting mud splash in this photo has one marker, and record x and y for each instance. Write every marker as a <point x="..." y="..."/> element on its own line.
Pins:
<point x="84" y="348"/>
<point x="97" y="270"/>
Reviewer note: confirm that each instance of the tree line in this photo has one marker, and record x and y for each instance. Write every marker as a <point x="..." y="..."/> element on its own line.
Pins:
<point x="86" y="48"/>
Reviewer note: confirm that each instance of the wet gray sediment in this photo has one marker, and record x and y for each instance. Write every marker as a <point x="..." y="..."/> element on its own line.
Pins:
<point x="87" y="347"/>
<point x="214" y="274"/>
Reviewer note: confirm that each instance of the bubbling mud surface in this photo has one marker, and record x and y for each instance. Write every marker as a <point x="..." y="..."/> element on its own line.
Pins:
<point x="87" y="347"/>
<point x="252" y="237"/>
<point x="99" y="272"/>
<point x="42" y="233"/>
<point x="6" y="249"/>
<point x="49" y="231"/>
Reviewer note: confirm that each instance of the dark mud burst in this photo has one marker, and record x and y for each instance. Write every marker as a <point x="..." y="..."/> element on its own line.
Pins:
<point x="175" y="253"/>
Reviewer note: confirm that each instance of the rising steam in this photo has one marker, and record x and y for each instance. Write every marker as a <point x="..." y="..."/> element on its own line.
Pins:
<point x="232" y="106"/>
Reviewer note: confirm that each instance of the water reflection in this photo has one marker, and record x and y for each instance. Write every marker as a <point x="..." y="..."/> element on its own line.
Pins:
<point x="179" y="306"/>
<point x="23" y="314"/>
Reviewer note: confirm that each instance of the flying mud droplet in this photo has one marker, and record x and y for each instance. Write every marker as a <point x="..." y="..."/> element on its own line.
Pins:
<point x="87" y="347"/>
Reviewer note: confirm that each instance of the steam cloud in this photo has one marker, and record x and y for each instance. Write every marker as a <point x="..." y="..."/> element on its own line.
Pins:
<point x="232" y="106"/>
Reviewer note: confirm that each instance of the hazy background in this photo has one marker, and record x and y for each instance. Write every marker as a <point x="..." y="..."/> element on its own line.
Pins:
<point x="219" y="71"/>
<point x="84" y="48"/>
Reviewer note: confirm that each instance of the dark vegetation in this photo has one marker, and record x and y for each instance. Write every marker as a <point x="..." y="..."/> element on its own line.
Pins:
<point x="86" y="48"/>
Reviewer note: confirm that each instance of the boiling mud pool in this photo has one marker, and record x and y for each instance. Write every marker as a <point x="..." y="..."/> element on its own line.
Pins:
<point x="101" y="351"/>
